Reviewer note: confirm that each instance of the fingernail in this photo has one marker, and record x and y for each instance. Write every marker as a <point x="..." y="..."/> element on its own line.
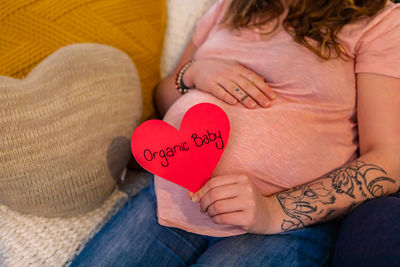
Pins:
<point x="273" y="96"/>
<point x="233" y="101"/>
<point x="266" y="103"/>
<point x="253" y="105"/>
<point x="195" y="198"/>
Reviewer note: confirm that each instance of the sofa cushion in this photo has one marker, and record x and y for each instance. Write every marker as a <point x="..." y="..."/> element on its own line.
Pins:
<point x="32" y="30"/>
<point x="182" y="16"/>
<point x="66" y="130"/>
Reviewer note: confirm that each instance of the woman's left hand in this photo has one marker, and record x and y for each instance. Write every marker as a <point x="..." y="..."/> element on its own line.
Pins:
<point x="234" y="200"/>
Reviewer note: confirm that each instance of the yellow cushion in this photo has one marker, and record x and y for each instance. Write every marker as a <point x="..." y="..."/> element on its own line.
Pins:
<point x="30" y="30"/>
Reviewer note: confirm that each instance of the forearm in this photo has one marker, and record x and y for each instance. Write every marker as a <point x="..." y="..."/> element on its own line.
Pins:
<point x="372" y="175"/>
<point x="166" y="94"/>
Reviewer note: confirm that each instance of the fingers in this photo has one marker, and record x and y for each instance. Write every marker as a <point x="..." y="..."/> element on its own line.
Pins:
<point x="259" y="82"/>
<point x="232" y="218"/>
<point x="245" y="87"/>
<point x="216" y="182"/>
<point x="248" y="88"/>
<point x="231" y="82"/>
<point x="222" y="94"/>
<point x="217" y="194"/>
<point x="240" y="95"/>
<point x="225" y="206"/>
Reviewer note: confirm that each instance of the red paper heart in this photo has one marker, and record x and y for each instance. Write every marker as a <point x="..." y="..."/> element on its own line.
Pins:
<point x="187" y="156"/>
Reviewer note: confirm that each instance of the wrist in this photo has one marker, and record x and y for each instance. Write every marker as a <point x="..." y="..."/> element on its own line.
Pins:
<point x="180" y="84"/>
<point x="188" y="77"/>
<point x="275" y="215"/>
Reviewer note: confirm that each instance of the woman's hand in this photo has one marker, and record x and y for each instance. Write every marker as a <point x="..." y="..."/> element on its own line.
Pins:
<point x="234" y="200"/>
<point x="229" y="81"/>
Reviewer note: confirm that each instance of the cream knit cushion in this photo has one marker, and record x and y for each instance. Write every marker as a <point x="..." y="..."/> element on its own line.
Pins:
<point x="65" y="130"/>
<point x="181" y="19"/>
<point x="33" y="241"/>
<point x="27" y="240"/>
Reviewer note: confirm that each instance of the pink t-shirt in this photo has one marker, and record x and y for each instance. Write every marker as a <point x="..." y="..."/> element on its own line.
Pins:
<point x="311" y="127"/>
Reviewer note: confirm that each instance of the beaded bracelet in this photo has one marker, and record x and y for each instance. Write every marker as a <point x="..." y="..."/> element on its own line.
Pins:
<point x="179" y="84"/>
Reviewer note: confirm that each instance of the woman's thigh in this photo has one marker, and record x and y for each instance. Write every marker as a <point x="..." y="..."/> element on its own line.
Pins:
<point x="133" y="237"/>
<point x="311" y="246"/>
<point x="370" y="235"/>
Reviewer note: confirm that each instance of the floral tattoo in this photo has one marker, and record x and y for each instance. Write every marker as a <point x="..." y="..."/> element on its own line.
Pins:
<point x="309" y="202"/>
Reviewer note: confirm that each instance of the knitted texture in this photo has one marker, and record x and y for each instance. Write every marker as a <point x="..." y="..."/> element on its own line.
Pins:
<point x="30" y="30"/>
<point x="65" y="130"/>
<point x="27" y="240"/>
<point x="182" y="16"/>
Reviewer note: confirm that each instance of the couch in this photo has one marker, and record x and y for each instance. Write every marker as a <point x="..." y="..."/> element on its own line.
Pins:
<point x="28" y="240"/>
<point x="53" y="239"/>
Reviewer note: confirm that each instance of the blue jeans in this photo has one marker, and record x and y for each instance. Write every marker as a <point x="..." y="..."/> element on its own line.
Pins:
<point x="133" y="237"/>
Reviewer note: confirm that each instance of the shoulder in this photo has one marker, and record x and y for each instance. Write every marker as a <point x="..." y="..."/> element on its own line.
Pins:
<point x="387" y="18"/>
<point x="209" y="21"/>
<point x="386" y="22"/>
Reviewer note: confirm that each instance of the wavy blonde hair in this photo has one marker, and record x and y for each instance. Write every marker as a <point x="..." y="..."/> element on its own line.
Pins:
<point x="307" y="20"/>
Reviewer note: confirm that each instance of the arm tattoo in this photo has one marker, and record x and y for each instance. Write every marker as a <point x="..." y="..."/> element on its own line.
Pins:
<point x="310" y="202"/>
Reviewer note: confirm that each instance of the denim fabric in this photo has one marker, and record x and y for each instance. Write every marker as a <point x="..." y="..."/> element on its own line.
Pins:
<point x="370" y="235"/>
<point x="133" y="237"/>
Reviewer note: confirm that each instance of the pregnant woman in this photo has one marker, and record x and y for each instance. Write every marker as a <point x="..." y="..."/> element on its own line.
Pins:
<point x="312" y="90"/>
